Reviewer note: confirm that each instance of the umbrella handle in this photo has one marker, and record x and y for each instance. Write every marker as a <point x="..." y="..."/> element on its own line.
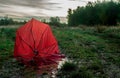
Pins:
<point x="35" y="51"/>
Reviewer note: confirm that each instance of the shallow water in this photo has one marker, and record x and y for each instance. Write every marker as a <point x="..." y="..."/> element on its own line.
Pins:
<point x="42" y="73"/>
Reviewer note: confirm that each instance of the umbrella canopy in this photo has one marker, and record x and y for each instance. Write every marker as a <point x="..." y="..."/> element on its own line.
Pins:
<point x="36" y="45"/>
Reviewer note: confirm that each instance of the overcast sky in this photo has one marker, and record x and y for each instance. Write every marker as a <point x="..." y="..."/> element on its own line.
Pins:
<point x="39" y="7"/>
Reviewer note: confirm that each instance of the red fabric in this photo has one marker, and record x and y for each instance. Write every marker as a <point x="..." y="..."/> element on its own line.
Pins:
<point x="36" y="36"/>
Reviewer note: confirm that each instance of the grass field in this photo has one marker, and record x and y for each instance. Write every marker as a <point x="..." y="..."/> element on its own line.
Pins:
<point x="94" y="51"/>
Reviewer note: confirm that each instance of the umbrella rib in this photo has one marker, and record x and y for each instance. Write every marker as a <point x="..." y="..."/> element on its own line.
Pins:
<point x="32" y="37"/>
<point x="25" y="42"/>
<point x="41" y="37"/>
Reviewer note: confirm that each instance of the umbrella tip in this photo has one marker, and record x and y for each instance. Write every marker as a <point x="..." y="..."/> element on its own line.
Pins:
<point x="32" y="19"/>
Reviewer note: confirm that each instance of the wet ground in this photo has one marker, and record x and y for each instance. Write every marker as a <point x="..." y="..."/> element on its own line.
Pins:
<point x="13" y="69"/>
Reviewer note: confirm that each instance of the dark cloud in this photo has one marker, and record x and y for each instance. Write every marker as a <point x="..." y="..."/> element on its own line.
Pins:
<point x="30" y="3"/>
<point x="13" y="7"/>
<point x="35" y="7"/>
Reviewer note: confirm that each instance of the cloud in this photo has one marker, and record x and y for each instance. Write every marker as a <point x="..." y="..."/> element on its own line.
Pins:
<point x="37" y="7"/>
<point x="26" y="7"/>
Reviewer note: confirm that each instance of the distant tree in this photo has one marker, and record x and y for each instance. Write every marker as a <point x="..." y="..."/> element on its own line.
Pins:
<point x="69" y="17"/>
<point x="43" y="20"/>
<point x="55" y="21"/>
<point x="6" y="20"/>
<point x="111" y="11"/>
<point x="103" y="13"/>
<point x="119" y="12"/>
<point x="9" y="21"/>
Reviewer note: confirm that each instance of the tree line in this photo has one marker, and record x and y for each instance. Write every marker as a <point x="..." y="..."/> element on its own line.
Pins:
<point x="54" y="21"/>
<point x="9" y="21"/>
<point x="96" y="13"/>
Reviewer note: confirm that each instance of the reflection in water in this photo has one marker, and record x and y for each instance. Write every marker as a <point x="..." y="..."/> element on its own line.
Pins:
<point x="46" y="71"/>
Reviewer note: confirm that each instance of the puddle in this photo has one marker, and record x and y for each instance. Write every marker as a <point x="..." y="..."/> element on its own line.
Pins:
<point x="11" y="69"/>
<point x="47" y="71"/>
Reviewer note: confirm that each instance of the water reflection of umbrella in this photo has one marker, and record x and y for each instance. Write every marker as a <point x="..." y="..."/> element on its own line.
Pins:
<point x="35" y="44"/>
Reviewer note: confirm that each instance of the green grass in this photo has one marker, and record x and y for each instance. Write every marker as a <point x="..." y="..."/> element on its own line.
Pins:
<point x="95" y="50"/>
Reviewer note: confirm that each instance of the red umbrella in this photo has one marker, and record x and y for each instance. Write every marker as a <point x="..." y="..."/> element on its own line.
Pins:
<point x="36" y="45"/>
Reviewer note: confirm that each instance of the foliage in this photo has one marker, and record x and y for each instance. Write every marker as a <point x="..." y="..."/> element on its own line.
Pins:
<point x="97" y="13"/>
<point x="71" y="70"/>
<point x="55" y="21"/>
<point x="69" y="66"/>
<point x="9" y="21"/>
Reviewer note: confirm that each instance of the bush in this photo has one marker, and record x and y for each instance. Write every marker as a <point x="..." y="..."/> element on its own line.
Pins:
<point x="69" y="66"/>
